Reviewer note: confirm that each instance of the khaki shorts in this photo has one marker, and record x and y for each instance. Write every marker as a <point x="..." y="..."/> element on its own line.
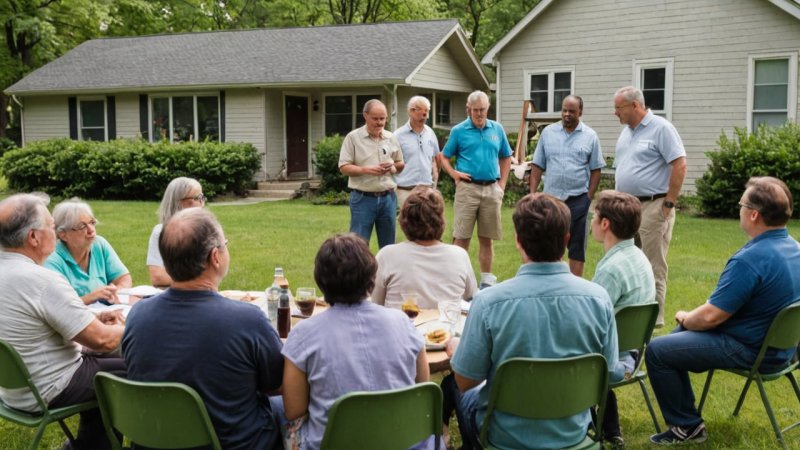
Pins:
<point x="476" y="202"/>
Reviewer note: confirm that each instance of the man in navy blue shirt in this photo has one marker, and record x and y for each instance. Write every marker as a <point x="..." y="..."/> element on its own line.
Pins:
<point x="759" y="280"/>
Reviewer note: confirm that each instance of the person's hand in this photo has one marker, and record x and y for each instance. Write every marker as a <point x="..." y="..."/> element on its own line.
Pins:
<point x="108" y="293"/>
<point x="680" y="316"/>
<point x="111" y="317"/>
<point x="451" y="345"/>
<point x="388" y="167"/>
<point x="460" y="176"/>
<point x="374" y="170"/>
<point x="665" y="212"/>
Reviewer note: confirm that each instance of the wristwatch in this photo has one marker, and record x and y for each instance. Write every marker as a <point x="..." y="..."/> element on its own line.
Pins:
<point x="668" y="204"/>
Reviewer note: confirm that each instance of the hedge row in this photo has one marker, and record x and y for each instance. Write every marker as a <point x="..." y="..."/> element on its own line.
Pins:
<point x="130" y="169"/>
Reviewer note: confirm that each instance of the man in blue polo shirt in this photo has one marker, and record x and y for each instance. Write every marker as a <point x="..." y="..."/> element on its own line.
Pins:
<point x="483" y="160"/>
<point x="569" y="151"/>
<point x="759" y="280"/>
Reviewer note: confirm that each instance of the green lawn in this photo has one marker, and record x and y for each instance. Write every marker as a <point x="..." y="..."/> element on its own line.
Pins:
<point x="288" y="234"/>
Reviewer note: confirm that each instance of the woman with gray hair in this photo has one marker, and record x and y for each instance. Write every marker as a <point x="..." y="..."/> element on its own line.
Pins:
<point x="182" y="192"/>
<point x="86" y="260"/>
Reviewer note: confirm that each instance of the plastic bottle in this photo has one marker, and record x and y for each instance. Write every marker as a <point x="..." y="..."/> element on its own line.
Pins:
<point x="284" y="315"/>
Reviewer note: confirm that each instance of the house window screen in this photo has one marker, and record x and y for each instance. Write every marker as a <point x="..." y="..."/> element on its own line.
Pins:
<point x="185" y="118"/>
<point x="343" y="113"/>
<point x="770" y="92"/>
<point x="93" y="120"/>
<point x="654" y="86"/>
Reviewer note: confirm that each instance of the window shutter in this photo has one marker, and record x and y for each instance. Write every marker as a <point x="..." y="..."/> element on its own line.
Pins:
<point x="111" y="117"/>
<point x="222" y="116"/>
<point x="143" y="125"/>
<point x="72" y="105"/>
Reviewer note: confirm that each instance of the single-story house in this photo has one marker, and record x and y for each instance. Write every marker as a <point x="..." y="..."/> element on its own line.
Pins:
<point x="706" y="65"/>
<point x="280" y="89"/>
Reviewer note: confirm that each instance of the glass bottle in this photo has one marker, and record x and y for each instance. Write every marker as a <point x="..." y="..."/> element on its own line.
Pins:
<point x="284" y="315"/>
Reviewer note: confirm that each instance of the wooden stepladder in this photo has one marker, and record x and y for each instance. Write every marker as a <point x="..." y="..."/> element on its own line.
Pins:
<point x="518" y="164"/>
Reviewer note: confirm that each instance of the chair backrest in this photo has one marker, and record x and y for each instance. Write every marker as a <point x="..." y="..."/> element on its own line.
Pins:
<point x="784" y="332"/>
<point x="635" y="325"/>
<point x="393" y="419"/>
<point x="158" y="415"/>
<point x="548" y="388"/>
<point x="14" y="374"/>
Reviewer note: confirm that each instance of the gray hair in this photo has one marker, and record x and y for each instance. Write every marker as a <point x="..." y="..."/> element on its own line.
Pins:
<point x="19" y="214"/>
<point x="67" y="213"/>
<point x="176" y="191"/>
<point x="186" y="241"/>
<point x="631" y="94"/>
<point x="477" y="96"/>
<point x="418" y="100"/>
<point x="370" y="103"/>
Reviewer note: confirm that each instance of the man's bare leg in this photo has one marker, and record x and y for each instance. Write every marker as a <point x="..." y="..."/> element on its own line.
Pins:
<point x="576" y="267"/>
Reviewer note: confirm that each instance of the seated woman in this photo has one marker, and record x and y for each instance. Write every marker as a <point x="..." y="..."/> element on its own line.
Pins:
<point x="423" y="264"/>
<point x="353" y="346"/>
<point x="85" y="259"/>
<point x="181" y="193"/>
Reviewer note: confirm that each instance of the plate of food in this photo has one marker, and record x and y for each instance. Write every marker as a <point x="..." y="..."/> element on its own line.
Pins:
<point x="244" y="296"/>
<point x="435" y="334"/>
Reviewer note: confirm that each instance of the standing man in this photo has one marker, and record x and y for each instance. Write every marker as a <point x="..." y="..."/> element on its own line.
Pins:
<point x="47" y="323"/>
<point x="370" y="155"/>
<point x="420" y="147"/>
<point x="726" y="332"/>
<point x="651" y="164"/>
<point x="224" y="349"/>
<point x="569" y="151"/>
<point x="483" y="160"/>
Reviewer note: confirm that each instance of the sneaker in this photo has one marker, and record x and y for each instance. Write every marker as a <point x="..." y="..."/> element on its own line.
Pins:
<point x="614" y="442"/>
<point x="487" y="280"/>
<point x="681" y="435"/>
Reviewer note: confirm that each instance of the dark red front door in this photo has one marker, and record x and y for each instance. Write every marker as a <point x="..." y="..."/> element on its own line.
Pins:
<point x="297" y="135"/>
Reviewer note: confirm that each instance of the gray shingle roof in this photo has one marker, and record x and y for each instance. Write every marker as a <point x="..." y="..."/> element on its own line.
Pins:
<point x="353" y="53"/>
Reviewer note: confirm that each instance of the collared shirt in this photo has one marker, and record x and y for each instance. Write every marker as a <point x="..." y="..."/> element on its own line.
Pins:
<point x="568" y="159"/>
<point x="478" y="150"/>
<point x="418" y="153"/>
<point x="625" y="273"/>
<point x="360" y="149"/>
<point x="543" y="312"/>
<point x="644" y="155"/>
<point x="104" y="266"/>
<point x="759" y="280"/>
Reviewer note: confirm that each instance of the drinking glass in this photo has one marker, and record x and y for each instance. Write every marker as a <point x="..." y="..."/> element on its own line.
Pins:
<point x="409" y="305"/>
<point x="305" y="300"/>
<point x="450" y="314"/>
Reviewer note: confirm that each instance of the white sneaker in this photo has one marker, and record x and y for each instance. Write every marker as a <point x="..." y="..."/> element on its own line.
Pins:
<point x="487" y="280"/>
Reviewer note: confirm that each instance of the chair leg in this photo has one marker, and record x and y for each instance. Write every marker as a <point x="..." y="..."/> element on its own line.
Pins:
<point x="794" y="385"/>
<point x="649" y="406"/>
<point x="705" y="392"/>
<point x="38" y="436"/>
<point x="66" y="431"/>
<point x="769" y="412"/>
<point x="744" y="394"/>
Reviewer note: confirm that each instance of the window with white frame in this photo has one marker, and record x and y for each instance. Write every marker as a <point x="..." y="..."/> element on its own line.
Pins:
<point x="442" y="110"/>
<point x="92" y="119"/>
<point x="772" y="89"/>
<point x="343" y="112"/>
<point x="183" y="118"/>
<point x="546" y="90"/>
<point x="654" y="78"/>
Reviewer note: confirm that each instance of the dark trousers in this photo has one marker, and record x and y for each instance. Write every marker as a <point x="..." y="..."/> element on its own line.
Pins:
<point x="91" y="434"/>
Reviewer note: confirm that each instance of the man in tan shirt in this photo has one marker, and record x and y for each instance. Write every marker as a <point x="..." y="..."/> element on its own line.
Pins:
<point x="370" y="156"/>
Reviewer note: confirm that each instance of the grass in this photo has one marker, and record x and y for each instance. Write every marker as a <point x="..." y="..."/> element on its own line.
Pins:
<point x="288" y="234"/>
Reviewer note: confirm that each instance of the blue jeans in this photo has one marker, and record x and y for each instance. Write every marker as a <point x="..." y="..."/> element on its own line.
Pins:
<point x="670" y="358"/>
<point x="466" y="405"/>
<point x="366" y="211"/>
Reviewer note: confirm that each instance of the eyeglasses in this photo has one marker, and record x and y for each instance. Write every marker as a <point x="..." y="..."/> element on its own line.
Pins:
<point x="479" y="110"/>
<point x="621" y="107"/>
<point x="198" y="198"/>
<point x="83" y="225"/>
<point x="749" y="206"/>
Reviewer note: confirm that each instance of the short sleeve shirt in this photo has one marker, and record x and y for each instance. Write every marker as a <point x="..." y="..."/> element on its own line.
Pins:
<point x="419" y="149"/>
<point x="153" y="253"/>
<point x="644" y="155"/>
<point x="104" y="266"/>
<point x="478" y="150"/>
<point x="359" y="149"/>
<point x="626" y="274"/>
<point x="568" y="159"/>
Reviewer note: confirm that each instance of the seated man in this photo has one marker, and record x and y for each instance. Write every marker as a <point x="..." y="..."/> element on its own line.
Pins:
<point x="625" y="273"/>
<point x="759" y="280"/>
<point x="224" y="349"/>
<point x="46" y="322"/>
<point x="553" y="314"/>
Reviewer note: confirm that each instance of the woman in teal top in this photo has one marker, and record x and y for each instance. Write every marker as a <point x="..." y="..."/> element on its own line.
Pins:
<point x="85" y="259"/>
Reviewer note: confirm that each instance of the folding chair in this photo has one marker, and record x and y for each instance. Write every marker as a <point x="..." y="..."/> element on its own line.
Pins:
<point x="549" y="389"/>
<point x="156" y="415"/>
<point x="389" y="420"/>
<point x="782" y="334"/>
<point x="14" y="375"/>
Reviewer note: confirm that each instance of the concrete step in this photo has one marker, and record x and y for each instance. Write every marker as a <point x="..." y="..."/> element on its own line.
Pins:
<point x="272" y="193"/>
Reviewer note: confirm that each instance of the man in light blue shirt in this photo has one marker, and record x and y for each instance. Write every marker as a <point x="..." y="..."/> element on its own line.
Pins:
<point x="543" y="312"/>
<point x="651" y="165"/>
<point x="420" y="147"/>
<point x="569" y="151"/>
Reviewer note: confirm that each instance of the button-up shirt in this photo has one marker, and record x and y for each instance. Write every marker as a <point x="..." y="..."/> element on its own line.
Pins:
<point x="360" y="149"/>
<point x="419" y="149"/>
<point x="568" y="159"/>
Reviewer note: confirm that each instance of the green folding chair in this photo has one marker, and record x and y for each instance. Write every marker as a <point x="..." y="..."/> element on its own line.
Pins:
<point x="156" y="415"/>
<point x="634" y="329"/>
<point x="14" y="375"/>
<point x="549" y="389"/>
<point x="782" y="334"/>
<point x="389" y="420"/>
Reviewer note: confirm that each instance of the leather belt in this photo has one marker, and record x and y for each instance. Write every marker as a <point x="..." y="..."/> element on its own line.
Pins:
<point x="373" y="194"/>
<point x="649" y="198"/>
<point x="483" y="182"/>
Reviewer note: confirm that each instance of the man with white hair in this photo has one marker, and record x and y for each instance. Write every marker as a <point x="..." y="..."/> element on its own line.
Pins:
<point x="420" y="147"/>
<point x="46" y="322"/>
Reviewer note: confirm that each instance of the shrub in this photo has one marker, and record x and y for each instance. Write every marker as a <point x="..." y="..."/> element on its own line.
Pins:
<point x="326" y="161"/>
<point x="6" y="144"/>
<point x="131" y="169"/>
<point x="769" y="151"/>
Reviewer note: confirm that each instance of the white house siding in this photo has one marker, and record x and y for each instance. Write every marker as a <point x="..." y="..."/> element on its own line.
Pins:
<point x="45" y="118"/>
<point x="443" y="72"/>
<point x="709" y="40"/>
<point x="127" y="108"/>
<point x="244" y="119"/>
